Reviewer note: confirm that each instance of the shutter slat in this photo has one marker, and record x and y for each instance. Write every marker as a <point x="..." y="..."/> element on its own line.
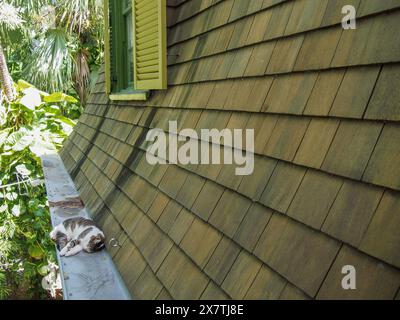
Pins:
<point x="153" y="62"/>
<point x="151" y="10"/>
<point x="147" y="17"/>
<point x="148" y="69"/>
<point x="148" y="58"/>
<point x="150" y="49"/>
<point x="149" y="76"/>
<point x="148" y="31"/>
<point x="147" y="51"/>
<point x="148" y="23"/>
<point x="147" y="7"/>
<point x="150" y="37"/>
<point x="147" y="44"/>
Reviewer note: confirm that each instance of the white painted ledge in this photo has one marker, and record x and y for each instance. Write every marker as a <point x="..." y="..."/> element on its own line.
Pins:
<point x="84" y="276"/>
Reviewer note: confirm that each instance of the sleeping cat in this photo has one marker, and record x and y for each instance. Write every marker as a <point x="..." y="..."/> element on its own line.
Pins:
<point x="76" y="235"/>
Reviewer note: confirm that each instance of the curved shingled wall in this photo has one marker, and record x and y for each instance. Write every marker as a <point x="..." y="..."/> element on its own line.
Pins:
<point x="325" y="105"/>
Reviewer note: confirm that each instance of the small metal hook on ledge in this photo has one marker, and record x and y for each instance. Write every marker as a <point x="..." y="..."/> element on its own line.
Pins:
<point x="114" y="243"/>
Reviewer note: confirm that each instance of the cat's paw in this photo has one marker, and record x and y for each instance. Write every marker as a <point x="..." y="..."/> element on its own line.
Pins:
<point x="64" y="251"/>
<point x="53" y="235"/>
<point x="70" y="253"/>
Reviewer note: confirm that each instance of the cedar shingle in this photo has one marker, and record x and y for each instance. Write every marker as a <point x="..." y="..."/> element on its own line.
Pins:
<point x="240" y="33"/>
<point x="242" y="58"/>
<point x="333" y="13"/>
<point x="352" y="148"/>
<point x="385" y="101"/>
<point x="130" y="264"/>
<point x="306" y="15"/>
<point x="253" y="185"/>
<point x="289" y="94"/>
<point x="279" y="20"/>
<point x="266" y="286"/>
<point x="200" y="242"/>
<point x="263" y="126"/>
<point x="374" y="280"/>
<point x="189" y="284"/>
<point x="213" y="292"/>
<point x="282" y="186"/>
<point x="352" y="98"/>
<point x="382" y="239"/>
<point x="229" y="212"/>
<point x="301" y="255"/>
<point x="352" y="211"/>
<point x="259" y="59"/>
<point x="207" y="200"/>
<point x="173" y="181"/>
<point x="286" y="137"/>
<point x="241" y="276"/>
<point x="292" y="293"/>
<point x="260" y="24"/>
<point x="371" y="6"/>
<point x="372" y="43"/>
<point x="383" y="168"/>
<point x="316" y="142"/>
<point x="169" y="216"/>
<point x="147" y="287"/>
<point x="314" y="198"/>
<point x="222" y="260"/>
<point x="285" y="54"/>
<point x="253" y="226"/>
<point x="181" y="225"/>
<point x="318" y="49"/>
<point x="190" y="190"/>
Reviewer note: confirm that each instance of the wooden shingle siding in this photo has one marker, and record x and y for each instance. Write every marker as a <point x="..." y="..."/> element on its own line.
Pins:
<point x="324" y="104"/>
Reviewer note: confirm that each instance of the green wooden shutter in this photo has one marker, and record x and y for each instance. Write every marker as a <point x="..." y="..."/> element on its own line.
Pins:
<point x="107" y="49"/>
<point x="150" y="44"/>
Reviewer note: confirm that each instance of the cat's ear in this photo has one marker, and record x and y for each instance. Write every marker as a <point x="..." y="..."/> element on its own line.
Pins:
<point x="98" y="242"/>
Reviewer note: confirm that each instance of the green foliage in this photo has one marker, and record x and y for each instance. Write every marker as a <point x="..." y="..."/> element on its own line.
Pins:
<point x="44" y="41"/>
<point x="35" y="124"/>
<point x="52" y="52"/>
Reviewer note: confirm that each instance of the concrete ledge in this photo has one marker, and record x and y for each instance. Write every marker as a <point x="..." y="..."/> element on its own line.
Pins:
<point x="84" y="276"/>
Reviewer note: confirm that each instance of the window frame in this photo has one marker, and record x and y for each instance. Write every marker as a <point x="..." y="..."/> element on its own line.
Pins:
<point x="116" y="51"/>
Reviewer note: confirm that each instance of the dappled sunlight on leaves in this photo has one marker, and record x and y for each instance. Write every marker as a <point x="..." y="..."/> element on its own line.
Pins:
<point x="34" y="124"/>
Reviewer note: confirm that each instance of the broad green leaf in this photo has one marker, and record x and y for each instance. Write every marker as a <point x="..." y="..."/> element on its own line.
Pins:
<point x="31" y="99"/>
<point x="3" y="208"/>
<point x="11" y="196"/>
<point x="40" y="148"/>
<point x="59" y="97"/>
<point x="22" y="85"/>
<point x="23" y="170"/>
<point x="43" y="269"/>
<point x="16" y="210"/>
<point x="23" y="143"/>
<point x="3" y="136"/>
<point x="14" y="137"/>
<point x="35" y="252"/>
<point x="52" y="109"/>
<point x="66" y="121"/>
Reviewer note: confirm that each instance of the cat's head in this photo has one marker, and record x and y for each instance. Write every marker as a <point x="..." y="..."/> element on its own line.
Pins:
<point x="96" y="243"/>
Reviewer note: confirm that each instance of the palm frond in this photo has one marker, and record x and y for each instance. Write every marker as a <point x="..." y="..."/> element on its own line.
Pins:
<point x="9" y="15"/>
<point x="30" y="6"/>
<point x="77" y="15"/>
<point x="10" y="19"/>
<point x="51" y="64"/>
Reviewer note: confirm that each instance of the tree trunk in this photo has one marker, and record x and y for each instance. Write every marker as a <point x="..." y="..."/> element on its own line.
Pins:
<point x="81" y="75"/>
<point x="5" y="77"/>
